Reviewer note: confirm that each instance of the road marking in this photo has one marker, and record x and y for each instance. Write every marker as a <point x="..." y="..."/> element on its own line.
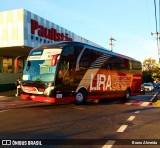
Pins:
<point x="137" y="112"/>
<point x="109" y="144"/>
<point x="4" y="110"/>
<point x="2" y="96"/>
<point x="131" y="118"/>
<point x="154" y="96"/>
<point x="128" y="103"/>
<point x="122" y="128"/>
<point x="80" y="108"/>
<point x="145" y="104"/>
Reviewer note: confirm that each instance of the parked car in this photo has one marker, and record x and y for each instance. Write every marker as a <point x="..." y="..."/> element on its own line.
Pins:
<point x="158" y="85"/>
<point x="148" y="87"/>
<point x="142" y="89"/>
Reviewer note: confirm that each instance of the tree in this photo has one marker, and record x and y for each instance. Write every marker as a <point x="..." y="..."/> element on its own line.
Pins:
<point x="156" y="73"/>
<point x="147" y="77"/>
<point x="149" y="64"/>
<point x="150" y="70"/>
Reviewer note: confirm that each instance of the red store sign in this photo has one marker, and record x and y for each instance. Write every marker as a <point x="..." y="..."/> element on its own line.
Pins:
<point x="50" y="34"/>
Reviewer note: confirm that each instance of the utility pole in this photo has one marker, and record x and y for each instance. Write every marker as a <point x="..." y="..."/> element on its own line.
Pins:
<point x="158" y="43"/>
<point x="111" y="43"/>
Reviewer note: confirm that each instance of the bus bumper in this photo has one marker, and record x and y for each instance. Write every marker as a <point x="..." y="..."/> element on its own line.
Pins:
<point x="46" y="99"/>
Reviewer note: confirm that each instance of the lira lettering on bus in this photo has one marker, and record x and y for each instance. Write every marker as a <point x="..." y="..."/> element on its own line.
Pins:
<point x="109" y="82"/>
<point x="103" y="82"/>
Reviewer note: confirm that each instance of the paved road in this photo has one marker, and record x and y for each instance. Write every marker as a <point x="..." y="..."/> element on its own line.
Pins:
<point x="93" y="125"/>
<point x="8" y="100"/>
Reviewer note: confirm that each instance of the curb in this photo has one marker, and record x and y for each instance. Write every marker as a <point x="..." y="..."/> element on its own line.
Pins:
<point x="156" y="102"/>
<point x="152" y="99"/>
<point x="139" y="103"/>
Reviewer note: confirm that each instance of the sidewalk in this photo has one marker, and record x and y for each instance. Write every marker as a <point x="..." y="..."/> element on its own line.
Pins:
<point x="8" y="100"/>
<point x="157" y="101"/>
<point x="9" y="95"/>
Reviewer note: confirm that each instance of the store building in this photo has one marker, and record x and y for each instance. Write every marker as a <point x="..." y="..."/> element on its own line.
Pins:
<point x="20" y="31"/>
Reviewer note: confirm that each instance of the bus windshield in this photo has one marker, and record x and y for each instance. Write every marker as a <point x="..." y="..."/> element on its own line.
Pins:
<point x="40" y="67"/>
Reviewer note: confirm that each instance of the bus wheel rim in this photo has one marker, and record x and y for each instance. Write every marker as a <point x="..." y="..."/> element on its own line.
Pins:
<point x="79" y="97"/>
<point x="127" y="95"/>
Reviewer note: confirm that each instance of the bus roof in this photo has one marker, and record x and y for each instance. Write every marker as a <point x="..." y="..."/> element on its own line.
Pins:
<point x="61" y="44"/>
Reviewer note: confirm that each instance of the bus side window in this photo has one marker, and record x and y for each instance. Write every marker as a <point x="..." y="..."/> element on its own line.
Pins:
<point x="136" y="65"/>
<point x="67" y="65"/>
<point x="62" y="70"/>
<point x="78" y="52"/>
<point x="84" y="61"/>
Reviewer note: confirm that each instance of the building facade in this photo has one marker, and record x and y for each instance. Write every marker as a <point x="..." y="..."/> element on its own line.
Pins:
<point x="20" y="31"/>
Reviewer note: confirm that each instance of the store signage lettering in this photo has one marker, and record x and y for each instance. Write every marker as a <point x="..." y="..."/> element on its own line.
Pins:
<point x="50" y="34"/>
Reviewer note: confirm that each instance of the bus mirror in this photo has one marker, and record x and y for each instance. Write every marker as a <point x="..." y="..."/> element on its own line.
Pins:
<point x="16" y="62"/>
<point x="54" y="60"/>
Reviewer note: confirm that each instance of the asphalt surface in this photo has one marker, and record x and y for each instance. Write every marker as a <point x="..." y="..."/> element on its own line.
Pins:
<point x="8" y="100"/>
<point x="114" y="119"/>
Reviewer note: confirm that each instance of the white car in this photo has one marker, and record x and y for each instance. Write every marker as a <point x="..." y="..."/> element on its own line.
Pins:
<point x="148" y="87"/>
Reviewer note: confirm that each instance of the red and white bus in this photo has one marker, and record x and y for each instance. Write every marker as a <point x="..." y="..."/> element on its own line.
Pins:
<point x="73" y="71"/>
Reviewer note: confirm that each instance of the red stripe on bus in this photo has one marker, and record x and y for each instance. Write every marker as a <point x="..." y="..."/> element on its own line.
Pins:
<point x="106" y="96"/>
<point x="47" y="99"/>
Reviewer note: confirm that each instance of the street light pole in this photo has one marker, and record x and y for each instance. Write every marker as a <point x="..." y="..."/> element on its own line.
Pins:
<point x="158" y="43"/>
<point x="111" y="43"/>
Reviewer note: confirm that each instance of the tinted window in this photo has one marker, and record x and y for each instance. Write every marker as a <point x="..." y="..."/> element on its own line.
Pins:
<point x="77" y="51"/>
<point x="97" y="59"/>
<point x="84" y="61"/>
<point x="118" y="63"/>
<point x="136" y="65"/>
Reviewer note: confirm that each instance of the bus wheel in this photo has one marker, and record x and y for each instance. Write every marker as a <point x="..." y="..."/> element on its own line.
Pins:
<point x="127" y="95"/>
<point x="81" y="97"/>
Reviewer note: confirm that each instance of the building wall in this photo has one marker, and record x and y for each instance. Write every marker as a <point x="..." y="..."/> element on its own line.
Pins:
<point x="12" y="28"/>
<point x="34" y="40"/>
<point x="7" y="80"/>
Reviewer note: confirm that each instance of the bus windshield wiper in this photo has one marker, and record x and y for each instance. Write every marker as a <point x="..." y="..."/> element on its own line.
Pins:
<point x="28" y="65"/>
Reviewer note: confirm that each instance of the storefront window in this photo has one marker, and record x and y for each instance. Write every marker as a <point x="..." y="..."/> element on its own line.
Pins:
<point x="21" y="62"/>
<point x="7" y="65"/>
<point x="20" y="66"/>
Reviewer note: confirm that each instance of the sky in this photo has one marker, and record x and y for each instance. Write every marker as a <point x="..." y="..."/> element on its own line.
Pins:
<point x="129" y="22"/>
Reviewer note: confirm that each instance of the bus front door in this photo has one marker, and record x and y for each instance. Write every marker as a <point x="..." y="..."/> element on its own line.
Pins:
<point x="65" y="81"/>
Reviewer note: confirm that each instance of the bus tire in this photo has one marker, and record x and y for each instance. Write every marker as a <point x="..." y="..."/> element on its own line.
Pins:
<point x="81" y="97"/>
<point x="127" y="94"/>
